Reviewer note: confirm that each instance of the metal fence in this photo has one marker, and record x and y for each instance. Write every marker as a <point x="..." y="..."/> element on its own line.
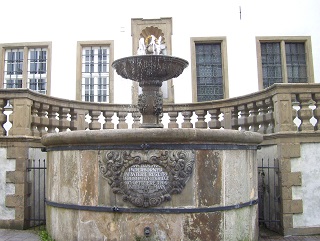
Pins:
<point x="36" y="176"/>
<point x="269" y="194"/>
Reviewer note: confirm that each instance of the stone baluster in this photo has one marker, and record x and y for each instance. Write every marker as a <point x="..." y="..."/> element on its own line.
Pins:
<point x="122" y="120"/>
<point x="136" y="119"/>
<point x="73" y="119"/>
<point x="3" y="117"/>
<point x="187" y="119"/>
<point x="64" y="123"/>
<point x="295" y="107"/>
<point x="214" y="123"/>
<point x="234" y="118"/>
<point x="44" y="120"/>
<point x="316" y="112"/>
<point x="108" y="120"/>
<point x="261" y="117"/>
<point x="173" y="115"/>
<point x="252" y="118"/>
<point x="53" y="121"/>
<point x="243" y="120"/>
<point x="270" y="116"/>
<point x="35" y="119"/>
<point x="201" y="124"/>
<point x="305" y="113"/>
<point x="95" y="124"/>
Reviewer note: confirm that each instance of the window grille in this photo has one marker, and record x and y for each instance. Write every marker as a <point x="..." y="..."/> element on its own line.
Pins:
<point x="13" y="63"/>
<point x="209" y="71"/>
<point x="95" y="74"/>
<point x="283" y="62"/>
<point x="37" y="70"/>
<point x="271" y="63"/>
<point x="36" y="62"/>
<point x="296" y="63"/>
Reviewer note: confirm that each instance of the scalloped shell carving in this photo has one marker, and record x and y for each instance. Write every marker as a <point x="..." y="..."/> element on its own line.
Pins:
<point x="152" y="31"/>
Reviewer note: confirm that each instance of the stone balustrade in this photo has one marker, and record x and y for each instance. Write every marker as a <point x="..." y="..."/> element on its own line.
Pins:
<point x="280" y="108"/>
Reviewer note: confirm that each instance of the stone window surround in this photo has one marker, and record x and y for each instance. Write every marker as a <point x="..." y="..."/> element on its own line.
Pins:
<point x="283" y="39"/>
<point x="223" y="42"/>
<point x="102" y="43"/>
<point x="26" y="46"/>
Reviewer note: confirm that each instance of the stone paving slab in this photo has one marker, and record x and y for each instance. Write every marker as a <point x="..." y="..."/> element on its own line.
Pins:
<point x="29" y="235"/>
<point x="18" y="235"/>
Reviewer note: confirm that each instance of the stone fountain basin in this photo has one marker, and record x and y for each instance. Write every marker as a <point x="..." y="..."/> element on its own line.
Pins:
<point x="218" y="201"/>
<point x="150" y="67"/>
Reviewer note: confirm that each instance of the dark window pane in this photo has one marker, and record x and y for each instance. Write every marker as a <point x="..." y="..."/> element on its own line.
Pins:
<point x="271" y="64"/>
<point x="209" y="72"/>
<point x="296" y="63"/>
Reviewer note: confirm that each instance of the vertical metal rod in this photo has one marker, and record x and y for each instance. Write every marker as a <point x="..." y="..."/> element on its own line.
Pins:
<point x="269" y="198"/>
<point x="44" y="189"/>
<point x="33" y="191"/>
<point x="39" y="193"/>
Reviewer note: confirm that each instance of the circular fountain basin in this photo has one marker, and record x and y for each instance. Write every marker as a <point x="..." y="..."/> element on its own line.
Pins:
<point x="210" y="177"/>
<point x="147" y="68"/>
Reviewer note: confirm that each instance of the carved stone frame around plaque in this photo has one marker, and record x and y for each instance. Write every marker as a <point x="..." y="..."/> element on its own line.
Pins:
<point x="147" y="178"/>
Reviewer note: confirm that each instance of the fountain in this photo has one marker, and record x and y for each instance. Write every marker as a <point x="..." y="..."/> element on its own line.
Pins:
<point x="152" y="183"/>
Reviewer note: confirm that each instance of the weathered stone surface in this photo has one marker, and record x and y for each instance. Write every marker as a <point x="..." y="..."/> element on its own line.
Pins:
<point x="203" y="226"/>
<point x="88" y="178"/>
<point x="209" y="186"/>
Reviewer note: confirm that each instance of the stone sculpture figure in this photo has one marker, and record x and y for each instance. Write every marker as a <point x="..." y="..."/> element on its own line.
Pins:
<point x="151" y="46"/>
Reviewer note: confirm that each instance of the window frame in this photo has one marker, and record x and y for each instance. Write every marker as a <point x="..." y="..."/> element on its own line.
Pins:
<point x="86" y="44"/>
<point x="224" y="61"/>
<point x="26" y="46"/>
<point x="283" y="40"/>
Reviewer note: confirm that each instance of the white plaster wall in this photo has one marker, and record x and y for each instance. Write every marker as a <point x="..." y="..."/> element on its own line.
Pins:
<point x="6" y="188"/>
<point x="66" y="22"/>
<point x="309" y="166"/>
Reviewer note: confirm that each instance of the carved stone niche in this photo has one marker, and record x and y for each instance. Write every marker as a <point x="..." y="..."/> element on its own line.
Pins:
<point x="147" y="178"/>
<point x="144" y="28"/>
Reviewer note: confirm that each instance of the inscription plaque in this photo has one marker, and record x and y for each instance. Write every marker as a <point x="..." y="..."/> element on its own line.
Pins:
<point x="147" y="178"/>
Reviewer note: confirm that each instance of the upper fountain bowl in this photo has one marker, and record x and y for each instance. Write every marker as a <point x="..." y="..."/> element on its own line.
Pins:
<point x="145" y="68"/>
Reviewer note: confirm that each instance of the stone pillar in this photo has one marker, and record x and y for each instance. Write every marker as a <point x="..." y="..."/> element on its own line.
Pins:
<point x="21" y="117"/>
<point x="283" y="113"/>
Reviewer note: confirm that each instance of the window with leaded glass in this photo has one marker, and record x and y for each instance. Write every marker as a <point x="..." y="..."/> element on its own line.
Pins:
<point x="271" y="63"/>
<point x="285" y="61"/>
<point x="209" y="71"/>
<point x="13" y="66"/>
<point x="296" y="62"/>
<point x="95" y="73"/>
<point x="37" y="70"/>
<point x="25" y="66"/>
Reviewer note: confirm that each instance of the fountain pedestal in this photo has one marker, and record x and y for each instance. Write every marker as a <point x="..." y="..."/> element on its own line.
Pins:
<point x="150" y="71"/>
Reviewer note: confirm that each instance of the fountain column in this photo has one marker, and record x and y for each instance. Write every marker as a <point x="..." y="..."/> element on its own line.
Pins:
<point x="150" y="104"/>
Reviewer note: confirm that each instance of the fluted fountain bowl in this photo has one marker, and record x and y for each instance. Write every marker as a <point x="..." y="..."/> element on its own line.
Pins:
<point x="145" y="68"/>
